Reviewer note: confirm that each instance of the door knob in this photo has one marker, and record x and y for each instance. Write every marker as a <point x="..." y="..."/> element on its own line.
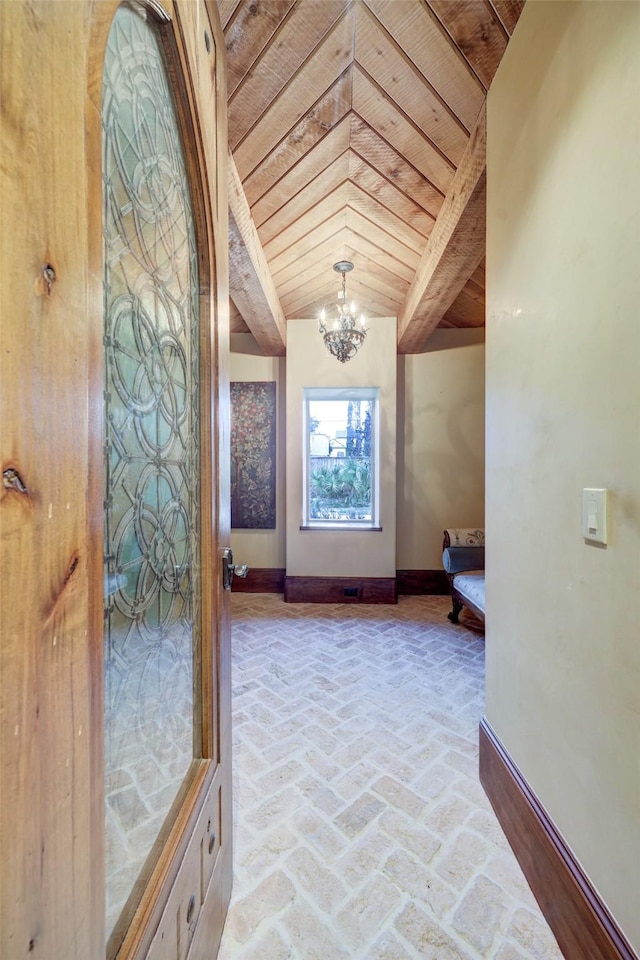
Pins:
<point x="229" y="568"/>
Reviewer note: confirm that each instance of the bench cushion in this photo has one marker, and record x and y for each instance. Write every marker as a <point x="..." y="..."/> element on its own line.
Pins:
<point x="471" y="587"/>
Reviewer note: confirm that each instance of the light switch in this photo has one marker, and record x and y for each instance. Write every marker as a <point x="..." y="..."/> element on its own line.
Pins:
<point x="594" y="515"/>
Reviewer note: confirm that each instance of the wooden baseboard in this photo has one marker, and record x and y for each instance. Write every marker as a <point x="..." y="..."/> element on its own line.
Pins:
<point x="408" y="583"/>
<point x="422" y="582"/>
<point x="260" y="580"/>
<point x="340" y="590"/>
<point x="580" y="921"/>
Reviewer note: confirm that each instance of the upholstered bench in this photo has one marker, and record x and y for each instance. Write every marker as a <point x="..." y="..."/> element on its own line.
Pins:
<point x="463" y="561"/>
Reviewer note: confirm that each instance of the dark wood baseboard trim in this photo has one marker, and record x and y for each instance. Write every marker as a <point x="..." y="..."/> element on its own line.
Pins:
<point x="260" y="580"/>
<point x="408" y="583"/>
<point x="422" y="583"/>
<point x="340" y="590"/>
<point x="580" y="921"/>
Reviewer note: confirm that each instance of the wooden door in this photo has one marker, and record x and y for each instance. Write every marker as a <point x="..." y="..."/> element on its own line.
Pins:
<point x="74" y="567"/>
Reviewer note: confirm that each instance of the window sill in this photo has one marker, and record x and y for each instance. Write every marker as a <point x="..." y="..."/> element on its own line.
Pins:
<point x="340" y="525"/>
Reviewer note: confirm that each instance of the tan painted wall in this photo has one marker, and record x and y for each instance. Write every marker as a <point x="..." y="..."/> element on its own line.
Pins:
<point x="563" y="413"/>
<point x="262" y="548"/>
<point x="344" y="553"/>
<point x="441" y="444"/>
<point x="440" y="455"/>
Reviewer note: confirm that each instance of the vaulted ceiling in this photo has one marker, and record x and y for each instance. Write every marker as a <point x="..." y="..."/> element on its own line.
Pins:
<point x="357" y="132"/>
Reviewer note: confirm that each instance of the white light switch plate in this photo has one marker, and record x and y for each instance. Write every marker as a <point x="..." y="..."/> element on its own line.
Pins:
<point x="594" y="514"/>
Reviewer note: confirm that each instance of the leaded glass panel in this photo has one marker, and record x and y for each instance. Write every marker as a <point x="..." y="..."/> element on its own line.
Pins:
<point x="152" y="563"/>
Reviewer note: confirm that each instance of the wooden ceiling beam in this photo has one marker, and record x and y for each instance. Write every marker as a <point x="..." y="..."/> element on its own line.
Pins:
<point x="455" y="248"/>
<point x="250" y="282"/>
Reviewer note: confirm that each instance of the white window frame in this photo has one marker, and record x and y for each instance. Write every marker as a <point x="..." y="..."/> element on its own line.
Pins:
<point x="342" y="394"/>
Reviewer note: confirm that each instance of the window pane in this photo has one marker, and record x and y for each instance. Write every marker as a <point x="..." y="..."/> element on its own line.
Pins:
<point x="152" y="587"/>
<point x="340" y="460"/>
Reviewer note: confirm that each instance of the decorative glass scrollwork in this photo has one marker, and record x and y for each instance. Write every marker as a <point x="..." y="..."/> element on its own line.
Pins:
<point x="152" y="503"/>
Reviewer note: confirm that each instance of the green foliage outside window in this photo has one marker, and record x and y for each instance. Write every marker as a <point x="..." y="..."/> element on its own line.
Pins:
<point x="341" y="491"/>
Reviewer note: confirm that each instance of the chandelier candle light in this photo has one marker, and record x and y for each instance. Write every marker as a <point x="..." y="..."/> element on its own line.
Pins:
<point x="347" y="332"/>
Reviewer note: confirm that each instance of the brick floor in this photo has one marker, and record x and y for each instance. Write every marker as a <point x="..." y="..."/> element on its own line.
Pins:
<point x="361" y="830"/>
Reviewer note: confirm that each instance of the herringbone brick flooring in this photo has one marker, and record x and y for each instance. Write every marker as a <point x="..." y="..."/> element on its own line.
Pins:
<point x="361" y="830"/>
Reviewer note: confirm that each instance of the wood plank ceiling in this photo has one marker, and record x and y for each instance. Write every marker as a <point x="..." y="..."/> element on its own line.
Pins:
<point x="357" y="132"/>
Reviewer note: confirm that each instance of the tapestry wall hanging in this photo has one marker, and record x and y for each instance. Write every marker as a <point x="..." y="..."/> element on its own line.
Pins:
<point x="253" y="455"/>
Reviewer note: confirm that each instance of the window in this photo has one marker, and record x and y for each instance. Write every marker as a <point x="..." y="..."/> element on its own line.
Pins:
<point x="341" y="458"/>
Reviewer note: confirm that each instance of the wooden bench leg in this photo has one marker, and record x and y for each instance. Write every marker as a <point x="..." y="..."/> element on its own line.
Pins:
<point x="455" y="613"/>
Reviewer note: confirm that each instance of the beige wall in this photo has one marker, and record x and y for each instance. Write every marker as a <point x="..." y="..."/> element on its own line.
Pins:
<point x="563" y="413"/>
<point x="262" y="548"/>
<point x="346" y="553"/>
<point x="440" y="436"/>
<point x="441" y="444"/>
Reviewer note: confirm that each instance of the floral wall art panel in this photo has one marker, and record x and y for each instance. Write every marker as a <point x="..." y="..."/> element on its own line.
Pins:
<point x="253" y="455"/>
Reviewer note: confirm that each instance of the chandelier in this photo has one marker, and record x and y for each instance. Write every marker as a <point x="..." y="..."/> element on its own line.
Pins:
<point x="346" y="333"/>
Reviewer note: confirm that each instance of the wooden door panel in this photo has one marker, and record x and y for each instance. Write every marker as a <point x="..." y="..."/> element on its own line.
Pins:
<point x="50" y="814"/>
<point x="51" y="500"/>
<point x="198" y="879"/>
<point x="211" y="838"/>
